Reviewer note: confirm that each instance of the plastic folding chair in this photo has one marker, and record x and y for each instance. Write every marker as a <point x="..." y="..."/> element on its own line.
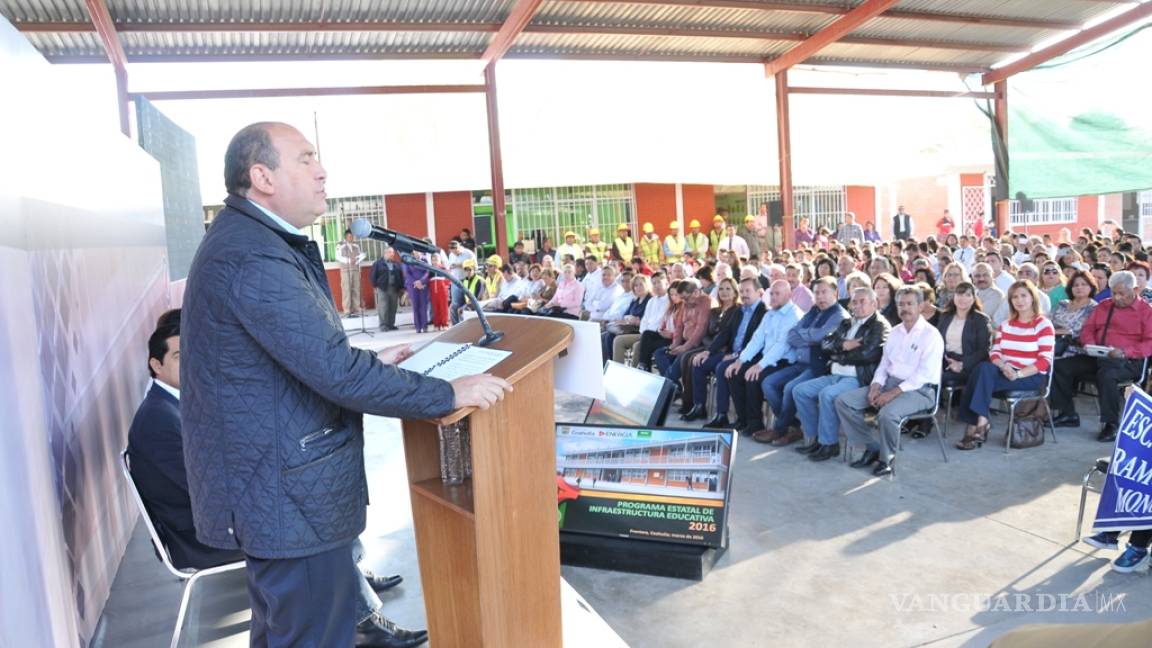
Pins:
<point x="190" y="576"/>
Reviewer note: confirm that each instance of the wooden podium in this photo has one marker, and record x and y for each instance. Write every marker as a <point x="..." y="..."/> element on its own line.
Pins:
<point x="489" y="548"/>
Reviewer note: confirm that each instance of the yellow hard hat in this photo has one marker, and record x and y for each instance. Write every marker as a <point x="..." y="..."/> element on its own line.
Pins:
<point x="717" y="219"/>
<point x="749" y="218"/>
<point x="593" y="231"/>
<point x="695" y="223"/>
<point x="674" y="225"/>
<point x="567" y="234"/>
<point x="495" y="260"/>
<point x="469" y="263"/>
<point x="648" y="229"/>
<point x="623" y="226"/>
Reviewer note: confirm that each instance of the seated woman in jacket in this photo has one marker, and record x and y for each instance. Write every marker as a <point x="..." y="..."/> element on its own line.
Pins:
<point x="1020" y="359"/>
<point x="885" y="285"/>
<point x="565" y="303"/>
<point x="967" y="333"/>
<point x="727" y="303"/>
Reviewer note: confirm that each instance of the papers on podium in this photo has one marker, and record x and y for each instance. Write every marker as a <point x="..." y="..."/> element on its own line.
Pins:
<point x="449" y="361"/>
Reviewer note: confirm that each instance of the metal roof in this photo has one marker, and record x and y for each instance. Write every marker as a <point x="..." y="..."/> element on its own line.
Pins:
<point x="966" y="35"/>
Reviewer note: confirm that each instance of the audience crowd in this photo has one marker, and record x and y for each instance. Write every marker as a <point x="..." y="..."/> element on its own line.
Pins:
<point x="845" y="332"/>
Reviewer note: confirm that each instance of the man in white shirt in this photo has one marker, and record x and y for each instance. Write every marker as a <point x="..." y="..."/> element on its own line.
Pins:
<point x="512" y="289"/>
<point x="966" y="254"/>
<point x="904" y="384"/>
<point x="609" y="291"/>
<point x="591" y="281"/>
<point x="1000" y="277"/>
<point x="457" y="255"/>
<point x="620" y="306"/>
<point x="1022" y="254"/>
<point x="349" y="256"/>
<point x="734" y="242"/>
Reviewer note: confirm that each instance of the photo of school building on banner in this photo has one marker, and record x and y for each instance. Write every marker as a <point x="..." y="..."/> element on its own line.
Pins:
<point x="653" y="484"/>
<point x="1126" y="499"/>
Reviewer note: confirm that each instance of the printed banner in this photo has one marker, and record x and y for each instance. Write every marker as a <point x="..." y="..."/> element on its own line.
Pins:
<point x="1126" y="500"/>
<point x="644" y="483"/>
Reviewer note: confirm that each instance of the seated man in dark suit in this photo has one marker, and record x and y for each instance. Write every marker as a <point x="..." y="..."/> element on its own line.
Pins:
<point x="156" y="450"/>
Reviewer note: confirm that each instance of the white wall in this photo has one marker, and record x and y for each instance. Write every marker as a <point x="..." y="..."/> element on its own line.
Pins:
<point x="82" y="279"/>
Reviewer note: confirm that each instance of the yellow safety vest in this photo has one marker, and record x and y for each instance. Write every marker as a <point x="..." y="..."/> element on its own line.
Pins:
<point x="716" y="237"/>
<point x="492" y="286"/>
<point x="600" y="249"/>
<point x="473" y="284"/>
<point x="625" y="248"/>
<point x="650" y="250"/>
<point x="674" y="248"/>
<point x="697" y="244"/>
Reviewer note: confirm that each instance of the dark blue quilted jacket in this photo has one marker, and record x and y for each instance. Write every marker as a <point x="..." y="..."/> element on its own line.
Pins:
<point x="272" y="394"/>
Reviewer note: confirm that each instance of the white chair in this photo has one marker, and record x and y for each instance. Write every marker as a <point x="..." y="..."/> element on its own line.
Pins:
<point x="191" y="576"/>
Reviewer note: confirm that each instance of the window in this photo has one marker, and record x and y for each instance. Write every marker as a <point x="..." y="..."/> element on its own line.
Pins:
<point x="1144" y="198"/>
<point x="823" y="205"/>
<point x="1045" y="211"/>
<point x="551" y="211"/>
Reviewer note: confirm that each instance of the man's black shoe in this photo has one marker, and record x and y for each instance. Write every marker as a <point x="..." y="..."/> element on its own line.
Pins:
<point x="867" y="459"/>
<point x="883" y="469"/>
<point x="685" y="407"/>
<point x="825" y="452"/>
<point x="1107" y="433"/>
<point x="809" y="448"/>
<point x="381" y="583"/>
<point x="696" y="413"/>
<point x="740" y="425"/>
<point x="1069" y="420"/>
<point x="379" y="632"/>
<point x="720" y="422"/>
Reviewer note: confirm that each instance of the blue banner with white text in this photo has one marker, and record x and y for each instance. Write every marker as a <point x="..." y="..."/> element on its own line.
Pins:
<point x="1126" y="500"/>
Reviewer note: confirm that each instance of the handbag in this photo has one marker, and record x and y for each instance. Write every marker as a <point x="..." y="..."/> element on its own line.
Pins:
<point x="616" y="328"/>
<point x="1028" y="425"/>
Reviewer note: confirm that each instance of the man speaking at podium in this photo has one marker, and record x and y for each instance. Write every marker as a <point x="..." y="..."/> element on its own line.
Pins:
<point x="273" y="396"/>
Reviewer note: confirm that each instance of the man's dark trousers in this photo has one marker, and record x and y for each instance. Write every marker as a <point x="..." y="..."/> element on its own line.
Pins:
<point x="748" y="396"/>
<point x="285" y="611"/>
<point x="1106" y="373"/>
<point x="714" y="364"/>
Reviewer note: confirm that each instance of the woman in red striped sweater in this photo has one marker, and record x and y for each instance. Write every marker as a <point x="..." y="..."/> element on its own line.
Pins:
<point x="1021" y="358"/>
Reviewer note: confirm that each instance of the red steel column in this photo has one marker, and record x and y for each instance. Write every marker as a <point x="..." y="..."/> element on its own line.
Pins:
<point x="494" y="159"/>
<point x="784" y="146"/>
<point x="1000" y="112"/>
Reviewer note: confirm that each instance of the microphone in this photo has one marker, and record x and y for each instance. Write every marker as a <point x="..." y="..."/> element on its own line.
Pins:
<point x="362" y="228"/>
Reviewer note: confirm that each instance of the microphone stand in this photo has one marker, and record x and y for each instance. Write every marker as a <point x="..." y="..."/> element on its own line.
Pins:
<point x="489" y="336"/>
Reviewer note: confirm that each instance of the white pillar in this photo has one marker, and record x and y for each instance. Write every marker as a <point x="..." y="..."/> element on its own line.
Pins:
<point x="680" y="206"/>
<point x="430" y="215"/>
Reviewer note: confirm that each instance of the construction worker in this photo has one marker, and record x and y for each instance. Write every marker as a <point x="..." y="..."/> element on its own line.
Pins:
<point x="697" y="240"/>
<point x="623" y="247"/>
<point x="493" y="279"/>
<point x="718" y="232"/>
<point x="474" y="283"/>
<point x="569" y="247"/>
<point x="651" y="248"/>
<point x="751" y="235"/>
<point x="594" y="245"/>
<point x="674" y="244"/>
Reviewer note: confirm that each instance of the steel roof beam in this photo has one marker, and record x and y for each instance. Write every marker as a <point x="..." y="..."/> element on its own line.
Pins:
<point x="881" y="92"/>
<point x="837" y="30"/>
<point x="504" y="39"/>
<point x="623" y="30"/>
<point x="252" y="93"/>
<point x="102" y="22"/>
<point x="842" y="9"/>
<point x="1136" y="14"/>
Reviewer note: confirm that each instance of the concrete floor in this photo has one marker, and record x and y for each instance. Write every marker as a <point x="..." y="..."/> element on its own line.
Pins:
<point x="819" y="554"/>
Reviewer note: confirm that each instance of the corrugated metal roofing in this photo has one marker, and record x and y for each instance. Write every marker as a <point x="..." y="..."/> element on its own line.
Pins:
<point x="676" y="29"/>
